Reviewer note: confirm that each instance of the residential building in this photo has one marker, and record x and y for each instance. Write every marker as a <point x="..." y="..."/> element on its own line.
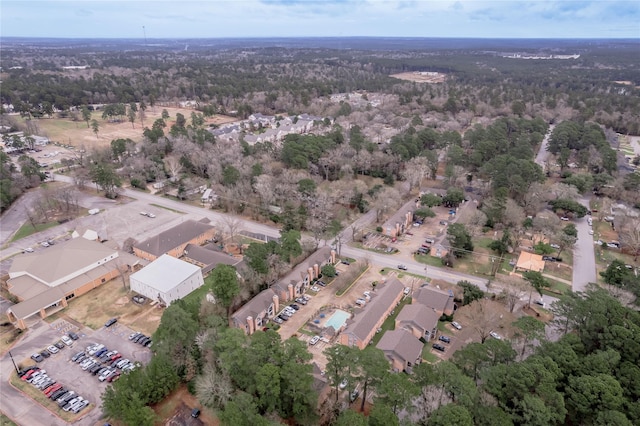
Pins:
<point x="401" y="348"/>
<point x="364" y="325"/>
<point x="173" y="241"/>
<point x="419" y="320"/>
<point x="207" y="258"/>
<point x="435" y="299"/>
<point x="401" y="221"/>
<point x="45" y="280"/>
<point x="299" y="279"/>
<point x="167" y="279"/>
<point x="256" y="313"/>
<point x="529" y="262"/>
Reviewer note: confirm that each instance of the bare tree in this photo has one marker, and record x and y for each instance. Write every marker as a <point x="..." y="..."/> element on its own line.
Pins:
<point x="629" y="234"/>
<point x="483" y="317"/>
<point x="414" y="171"/>
<point x="231" y="227"/>
<point x="385" y="200"/>
<point x="213" y="388"/>
<point x="513" y="288"/>
<point x="174" y="166"/>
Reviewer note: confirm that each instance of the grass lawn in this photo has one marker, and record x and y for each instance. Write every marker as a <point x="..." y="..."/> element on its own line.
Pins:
<point x="28" y="229"/>
<point x="560" y="270"/>
<point x="428" y="260"/>
<point x="41" y="399"/>
<point x="4" y="421"/>
<point x="427" y="355"/>
<point x="113" y="300"/>
<point x="390" y="322"/>
<point x="8" y="335"/>
<point x="442" y="327"/>
<point x="167" y="208"/>
<point x="556" y="286"/>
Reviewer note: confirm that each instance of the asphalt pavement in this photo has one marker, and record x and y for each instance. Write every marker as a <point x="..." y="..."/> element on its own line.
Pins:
<point x="584" y="261"/>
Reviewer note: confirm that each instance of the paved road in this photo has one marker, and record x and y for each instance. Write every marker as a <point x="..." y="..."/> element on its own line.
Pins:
<point x="543" y="154"/>
<point x="584" y="263"/>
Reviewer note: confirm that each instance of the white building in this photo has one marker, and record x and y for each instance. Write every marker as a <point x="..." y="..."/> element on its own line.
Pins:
<point x="167" y="279"/>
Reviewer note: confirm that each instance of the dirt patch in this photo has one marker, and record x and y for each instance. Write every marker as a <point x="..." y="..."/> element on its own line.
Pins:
<point x="112" y="300"/>
<point x="8" y="336"/>
<point x="176" y="409"/>
<point x="76" y="133"/>
<point x="421" y="77"/>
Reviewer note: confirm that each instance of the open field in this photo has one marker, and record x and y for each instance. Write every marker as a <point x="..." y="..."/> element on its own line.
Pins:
<point x="113" y="300"/>
<point x="77" y="133"/>
<point x="418" y="77"/>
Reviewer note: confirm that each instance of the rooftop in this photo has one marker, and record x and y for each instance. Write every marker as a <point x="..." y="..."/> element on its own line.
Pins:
<point x="165" y="273"/>
<point x="419" y="315"/>
<point x="402" y="344"/>
<point x="433" y="298"/>
<point x="174" y="237"/>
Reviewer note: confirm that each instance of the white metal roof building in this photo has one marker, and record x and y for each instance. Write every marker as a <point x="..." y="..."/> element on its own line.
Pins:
<point x="167" y="279"/>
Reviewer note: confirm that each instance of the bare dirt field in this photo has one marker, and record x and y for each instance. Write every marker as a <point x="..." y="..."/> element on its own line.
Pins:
<point x="113" y="300"/>
<point x="77" y="133"/>
<point x="419" y="77"/>
<point x="175" y="410"/>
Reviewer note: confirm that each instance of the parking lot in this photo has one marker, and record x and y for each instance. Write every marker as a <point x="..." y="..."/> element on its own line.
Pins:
<point x="59" y="366"/>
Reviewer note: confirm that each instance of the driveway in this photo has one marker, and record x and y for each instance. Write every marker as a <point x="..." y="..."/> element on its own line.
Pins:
<point x="543" y="154"/>
<point x="584" y="263"/>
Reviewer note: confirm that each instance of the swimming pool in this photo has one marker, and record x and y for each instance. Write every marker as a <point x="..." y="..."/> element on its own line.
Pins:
<point x="338" y="319"/>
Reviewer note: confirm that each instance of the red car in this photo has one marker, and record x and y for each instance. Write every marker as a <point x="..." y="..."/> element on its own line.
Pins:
<point x="52" y="389"/>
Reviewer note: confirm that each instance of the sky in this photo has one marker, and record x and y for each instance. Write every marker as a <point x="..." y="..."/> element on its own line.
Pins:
<point x="320" y="18"/>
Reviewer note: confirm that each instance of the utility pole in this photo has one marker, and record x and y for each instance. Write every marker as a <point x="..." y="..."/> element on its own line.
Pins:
<point x="14" y="363"/>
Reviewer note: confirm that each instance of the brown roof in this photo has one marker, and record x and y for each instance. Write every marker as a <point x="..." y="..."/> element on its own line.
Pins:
<point x="530" y="262"/>
<point x="29" y="307"/>
<point x="418" y="315"/>
<point x="382" y="300"/>
<point x="208" y="257"/>
<point x="320" y="256"/>
<point x="254" y="306"/>
<point x="174" y="237"/>
<point x="26" y="287"/>
<point x="402" y="344"/>
<point x="433" y="298"/>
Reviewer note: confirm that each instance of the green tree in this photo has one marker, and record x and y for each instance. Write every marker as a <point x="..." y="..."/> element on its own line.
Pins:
<point x="352" y="418"/>
<point x="470" y="292"/>
<point x="453" y="197"/>
<point x="176" y="334"/>
<point x="396" y="391"/>
<point x="95" y="127"/>
<point x="616" y="273"/>
<point x="424" y="213"/>
<point x="290" y="247"/>
<point x="224" y="284"/>
<point x="529" y="329"/>
<point x="328" y="270"/>
<point x="86" y="114"/>
<point x="230" y="175"/>
<point x="451" y="414"/>
<point x="570" y="230"/>
<point x="589" y="394"/>
<point x="430" y="200"/>
<point x="268" y="387"/>
<point x="373" y="367"/>
<point x="382" y="415"/>
<point x="341" y="362"/>
<point x="537" y="281"/>
<point x="459" y="239"/>
<point x="105" y="177"/>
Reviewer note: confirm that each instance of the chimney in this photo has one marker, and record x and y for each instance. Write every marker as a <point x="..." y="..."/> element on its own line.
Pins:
<point x="290" y="288"/>
<point x="276" y="303"/>
<point x="251" y="324"/>
<point x="316" y="270"/>
<point x="333" y="256"/>
<point x="311" y="276"/>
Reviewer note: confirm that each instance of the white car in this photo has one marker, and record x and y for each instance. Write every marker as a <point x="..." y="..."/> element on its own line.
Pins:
<point x="52" y="349"/>
<point x="151" y="215"/>
<point x="314" y="340"/>
<point x="407" y="290"/>
<point x="343" y="384"/>
<point x="590" y="231"/>
<point x="28" y="250"/>
<point x="143" y="213"/>
<point x="66" y="340"/>
<point x="361" y="302"/>
<point x="495" y="335"/>
<point x="456" y="325"/>
<point x="45" y="244"/>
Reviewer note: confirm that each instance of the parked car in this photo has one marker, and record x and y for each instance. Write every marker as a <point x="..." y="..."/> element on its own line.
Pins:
<point x="283" y="317"/>
<point x="539" y="302"/>
<point x="402" y="267"/>
<point x="444" y="339"/>
<point x="67" y="340"/>
<point x="314" y="340"/>
<point x="346" y="262"/>
<point x="429" y="241"/>
<point x="301" y="301"/>
<point x="28" y="250"/>
<point x="456" y="325"/>
<point x="73" y="335"/>
<point x="59" y="344"/>
<point x="361" y="302"/>
<point x="195" y="413"/>
<point x="294" y="306"/>
<point x="438" y="347"/>
<point x="278" y="320"/>
<point x="110" y="322"/>
<point x="407" y="290"/>
<point x="343" y="384"/>
<point x="52" y="349"/>
<point x="354" y="395"/>
<point x="76" y="356"/>
<point x="443" y="222"/>
<point x="45" y="244"/>
<point x="495" y="335"/>
<point x="555" y="246"/>
<point x="564" y="218"/>
<point x="45" y="354"/>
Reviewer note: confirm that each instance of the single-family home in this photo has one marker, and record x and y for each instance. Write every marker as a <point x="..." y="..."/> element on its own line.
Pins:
<point x="529" y="262"/>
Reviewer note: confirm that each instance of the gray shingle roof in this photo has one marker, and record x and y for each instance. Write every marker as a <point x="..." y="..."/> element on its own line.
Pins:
<point x="402" y="344"/>
<point x="174" y="237"/>
<point x="419" y="315"/>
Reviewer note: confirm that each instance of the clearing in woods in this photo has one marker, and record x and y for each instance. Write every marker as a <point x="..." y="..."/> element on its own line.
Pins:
<point x="76" y="133"/>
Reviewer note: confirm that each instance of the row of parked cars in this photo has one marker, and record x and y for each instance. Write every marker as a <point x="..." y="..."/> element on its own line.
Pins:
<point x="66" y="399"/>
<point x="66" y="340"/>
<point x="103" y="363"/>
<point x="289" y="311"/>
<point x="141" y="339"/>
